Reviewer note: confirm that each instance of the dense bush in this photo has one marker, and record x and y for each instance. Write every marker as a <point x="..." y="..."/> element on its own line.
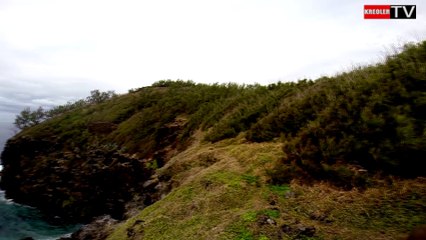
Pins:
<point x="372" y="119"/>
<point x="29" y="118"/>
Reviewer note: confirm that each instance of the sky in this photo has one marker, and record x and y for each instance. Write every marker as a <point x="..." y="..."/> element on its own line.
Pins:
<point x="55" y="51"/>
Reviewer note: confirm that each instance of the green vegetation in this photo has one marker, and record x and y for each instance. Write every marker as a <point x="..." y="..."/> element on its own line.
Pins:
<point x="371" y="118"/>
<point x="335" y="158"/>
<point x="28" y="118"/>
<point x="219" y="202"/>
<point x="144" y="116"/>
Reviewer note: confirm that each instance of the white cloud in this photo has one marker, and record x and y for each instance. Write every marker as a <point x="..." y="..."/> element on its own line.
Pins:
<point x="54" y="51"/>
<point x="132" y="43"/>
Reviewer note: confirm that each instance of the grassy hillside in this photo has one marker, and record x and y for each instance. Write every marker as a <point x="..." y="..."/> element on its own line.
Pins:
<point x="360" y="131"/>
<point x="222" y="191"/>
<point x="222" y="110"/>
<point x="335" y="158"/>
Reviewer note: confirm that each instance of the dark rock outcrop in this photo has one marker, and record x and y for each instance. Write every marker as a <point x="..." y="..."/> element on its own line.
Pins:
<point x="298" y="230"/>
<point x="72" y="180"/>
<point x="74" y="184"/>
<point x="98" y="229"/>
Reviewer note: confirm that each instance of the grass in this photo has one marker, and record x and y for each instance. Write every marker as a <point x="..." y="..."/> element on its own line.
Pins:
<point x="228" y="198"/>
<point x="382" y="212"/>
<point x="372" y="117"/>
<point x="279" y="190"/>
<point x="206" y="203"/>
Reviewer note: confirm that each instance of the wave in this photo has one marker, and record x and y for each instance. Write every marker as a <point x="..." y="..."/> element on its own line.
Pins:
<point x="19" y="221"/>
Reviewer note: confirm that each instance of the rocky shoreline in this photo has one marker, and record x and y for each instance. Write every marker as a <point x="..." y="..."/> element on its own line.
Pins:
<point x="97" y="185"/>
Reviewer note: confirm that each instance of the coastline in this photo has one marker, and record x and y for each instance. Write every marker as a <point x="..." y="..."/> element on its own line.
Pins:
<point x="19" y="221"/>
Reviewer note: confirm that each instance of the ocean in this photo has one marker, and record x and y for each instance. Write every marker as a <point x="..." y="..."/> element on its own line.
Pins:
<point x="18" y="221"/>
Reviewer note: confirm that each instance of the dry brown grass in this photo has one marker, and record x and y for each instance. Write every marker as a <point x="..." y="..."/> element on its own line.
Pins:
<point x="221" y="189"/>
<point x="382" y="212"/>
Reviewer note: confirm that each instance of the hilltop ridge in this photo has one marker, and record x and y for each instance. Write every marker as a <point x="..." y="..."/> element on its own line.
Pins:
<point x="338" y="156"/>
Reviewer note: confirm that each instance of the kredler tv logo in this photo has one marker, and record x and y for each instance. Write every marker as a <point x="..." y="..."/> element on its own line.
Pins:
<point x="389" y="11"/>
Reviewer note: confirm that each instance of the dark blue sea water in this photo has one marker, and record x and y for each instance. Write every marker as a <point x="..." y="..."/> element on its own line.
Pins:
<point x="19" y="221"/>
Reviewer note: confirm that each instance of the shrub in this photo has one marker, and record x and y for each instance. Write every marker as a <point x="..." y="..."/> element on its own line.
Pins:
<point x="367" y="120"/>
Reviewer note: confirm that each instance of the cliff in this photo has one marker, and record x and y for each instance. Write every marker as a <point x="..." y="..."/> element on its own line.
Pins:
<point x="338" y="156"/>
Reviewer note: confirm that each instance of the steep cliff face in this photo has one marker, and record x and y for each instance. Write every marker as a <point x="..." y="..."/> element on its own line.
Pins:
<point x="77" y="183"/>
<point x="93" y="160"/>
<point x="73" y="183"/>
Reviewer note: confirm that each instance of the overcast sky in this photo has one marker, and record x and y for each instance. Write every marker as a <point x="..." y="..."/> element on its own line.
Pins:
<point x="54" y="51"/>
